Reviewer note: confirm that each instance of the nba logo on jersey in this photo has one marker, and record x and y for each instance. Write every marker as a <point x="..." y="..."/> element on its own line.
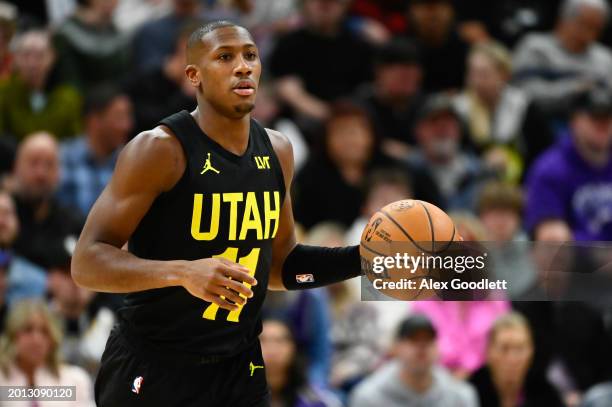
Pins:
<point x="136" y="384"/>
<point x="304" y="278"/>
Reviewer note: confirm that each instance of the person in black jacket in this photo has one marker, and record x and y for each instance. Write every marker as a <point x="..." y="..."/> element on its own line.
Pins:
<point x="506" y="379"/>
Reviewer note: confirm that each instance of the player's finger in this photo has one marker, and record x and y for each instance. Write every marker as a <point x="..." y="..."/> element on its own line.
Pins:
<point x="222" y="303"/>
<point x="233" y="264"/>
<point x="238" y="273"/>
<point x="236" y="286"/>
<point x="229" y="295"/>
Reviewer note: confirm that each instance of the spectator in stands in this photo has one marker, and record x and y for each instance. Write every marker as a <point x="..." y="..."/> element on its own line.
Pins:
<point x="413" y="377"/>
<point x="267" y="111"/>
<point x="87" y="162"/>
<point x="554" y="67"/>
<point x="320" y="62"/>
<point x="90" y="49"/>
<point x="505" y="381"/>
<point x="5" y="259"/>
<point x="443" y="52"/>
<point x="285" y="371"/>
<point x="157" y="39"/>
<point x="86" y="318"/>
<point x="381" y="188"/>
<point x="164" y="90"/>
<point x="462" y="328"/>
<point x="328" y="188"/>
<point x="30" y="354"/>
<point x="24" y="278"/>
<point x="31" y="99"/>
<point x="46" y="225"/>
<point x="503" y="125"/>
<point x="598" y="396"/>
<point x="8" y="16"/>
<point x="568" y="188"/>
<point x="500" y="209"/>
<point x="391" y="14"/>
<point x="395" y="95"/>
<point x="457" y="173"/>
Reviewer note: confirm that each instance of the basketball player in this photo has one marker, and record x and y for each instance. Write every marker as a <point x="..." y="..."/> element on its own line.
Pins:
<point x="203" y="202"/>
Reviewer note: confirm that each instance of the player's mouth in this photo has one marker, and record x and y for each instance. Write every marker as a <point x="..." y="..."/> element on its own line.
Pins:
<point x="244" y="88"/>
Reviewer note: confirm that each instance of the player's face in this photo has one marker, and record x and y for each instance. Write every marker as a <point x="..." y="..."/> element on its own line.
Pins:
<point x="227" y="71"/>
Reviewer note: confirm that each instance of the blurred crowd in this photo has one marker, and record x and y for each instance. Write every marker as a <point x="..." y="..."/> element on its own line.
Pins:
<point x="499" y="112"/>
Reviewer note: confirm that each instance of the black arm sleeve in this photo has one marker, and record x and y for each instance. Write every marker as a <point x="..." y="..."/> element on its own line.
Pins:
<point x="314" y="266"/>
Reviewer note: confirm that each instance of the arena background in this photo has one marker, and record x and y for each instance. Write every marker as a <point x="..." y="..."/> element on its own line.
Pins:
<point x="498" y="112"/>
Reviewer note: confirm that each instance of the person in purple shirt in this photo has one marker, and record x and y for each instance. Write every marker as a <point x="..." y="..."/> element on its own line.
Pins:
<point x="569" y="187"/>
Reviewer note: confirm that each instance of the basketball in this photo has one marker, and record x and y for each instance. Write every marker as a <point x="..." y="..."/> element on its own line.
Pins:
<point x="411" y="227"/>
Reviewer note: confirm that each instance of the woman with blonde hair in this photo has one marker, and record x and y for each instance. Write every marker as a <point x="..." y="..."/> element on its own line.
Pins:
<point x="500" y="119"/>
<point x="30" y="356"/>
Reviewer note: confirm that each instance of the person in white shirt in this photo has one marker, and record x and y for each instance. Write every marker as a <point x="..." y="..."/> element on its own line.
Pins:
<point x="29" y="356"/>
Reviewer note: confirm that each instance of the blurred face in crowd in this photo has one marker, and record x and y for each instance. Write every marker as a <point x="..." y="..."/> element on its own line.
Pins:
<point x="432" y="20"/>
<point x="349" y="141"/>
<point x="593" y="132"/>
<point x="484" y="77"/>
<point x="277" y="346"/>
<point x="104" y="8"/>
<point x="501" y="223"/>
<point x="398" y="82"/>
<point x="417" y="354"/>
<point x="226" y="64"/>
<point x="509" y="354"/>
<point x="324" y="15"/>
<point x="34" y="58"/>
<point x="185" y="7"/>
<point x="583" y="29"/>
<point x="37" y="167"/>
<point x="439" y="135"/>
<point x="9" y="223"/>
<point x="112" y="125"/>
<point x="33" y="342"/>
<point x="71" y="300"/>
<point x="383" y="194"/>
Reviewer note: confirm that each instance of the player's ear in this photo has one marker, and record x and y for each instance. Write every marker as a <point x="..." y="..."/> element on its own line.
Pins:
<point x="193" y="74"/>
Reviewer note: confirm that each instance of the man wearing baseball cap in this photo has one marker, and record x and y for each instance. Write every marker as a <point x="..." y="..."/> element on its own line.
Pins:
<point x="413" y="378"/>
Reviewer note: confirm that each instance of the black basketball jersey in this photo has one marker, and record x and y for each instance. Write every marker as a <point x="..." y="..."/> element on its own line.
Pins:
<point x="224" y="205"/>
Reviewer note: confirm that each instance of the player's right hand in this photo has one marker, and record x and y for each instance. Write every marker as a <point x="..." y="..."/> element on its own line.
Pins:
<point x="219" y="281"/>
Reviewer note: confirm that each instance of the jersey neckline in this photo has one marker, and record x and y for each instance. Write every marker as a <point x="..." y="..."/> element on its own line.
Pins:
<point x="218" y="147"/>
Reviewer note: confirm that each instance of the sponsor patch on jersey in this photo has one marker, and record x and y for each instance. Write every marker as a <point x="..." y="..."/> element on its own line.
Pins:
<point x="304" y="278"/>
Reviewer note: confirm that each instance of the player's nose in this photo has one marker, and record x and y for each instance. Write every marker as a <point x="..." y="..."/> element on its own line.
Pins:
<point x="243" y="68"/>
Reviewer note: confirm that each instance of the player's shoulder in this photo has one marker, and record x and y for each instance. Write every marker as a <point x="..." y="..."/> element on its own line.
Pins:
<point x="156" y="152"/>
<point x="284" y="151"/>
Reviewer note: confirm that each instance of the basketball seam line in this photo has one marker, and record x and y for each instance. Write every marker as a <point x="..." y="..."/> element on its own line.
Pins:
<point x="431" y="228"/>
<point x="404" y="232"/>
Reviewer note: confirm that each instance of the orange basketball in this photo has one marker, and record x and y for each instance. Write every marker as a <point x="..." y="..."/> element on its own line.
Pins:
<point x="408" y="227"/>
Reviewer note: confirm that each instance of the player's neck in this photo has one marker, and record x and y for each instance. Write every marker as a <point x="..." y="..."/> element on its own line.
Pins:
<point x="231" y="134"/>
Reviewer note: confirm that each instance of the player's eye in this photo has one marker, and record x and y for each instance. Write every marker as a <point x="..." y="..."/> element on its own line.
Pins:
<point x="251" y="55"/>
<point x="225" y="57"/>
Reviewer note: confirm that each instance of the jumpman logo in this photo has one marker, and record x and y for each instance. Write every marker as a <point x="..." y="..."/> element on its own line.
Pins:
<point x="208" y="166"/>
<point x="253" y="367"/>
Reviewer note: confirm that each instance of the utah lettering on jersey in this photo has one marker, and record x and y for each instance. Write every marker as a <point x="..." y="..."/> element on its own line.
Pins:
<point x="263" y="221"/>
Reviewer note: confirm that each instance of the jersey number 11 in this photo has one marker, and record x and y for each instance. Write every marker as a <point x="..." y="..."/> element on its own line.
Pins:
<point x="249" y="261"/>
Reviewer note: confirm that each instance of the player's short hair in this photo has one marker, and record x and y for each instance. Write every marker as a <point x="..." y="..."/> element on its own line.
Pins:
<point x="199" y="33"/>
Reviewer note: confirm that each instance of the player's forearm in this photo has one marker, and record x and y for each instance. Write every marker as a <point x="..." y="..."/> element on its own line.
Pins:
<point x="315" y="266"/>
<point x="103" y="267"/>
